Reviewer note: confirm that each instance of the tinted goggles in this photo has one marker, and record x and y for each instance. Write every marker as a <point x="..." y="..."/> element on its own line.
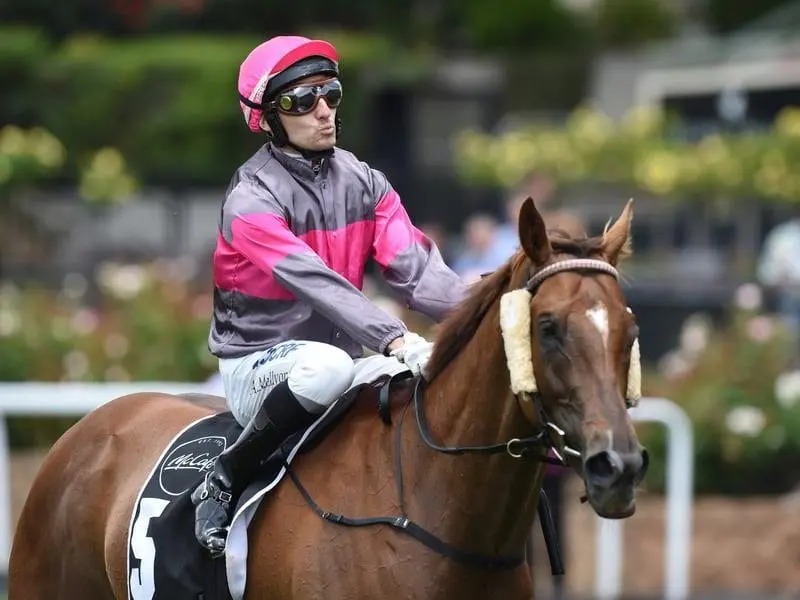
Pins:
<point x="303" y="99"/>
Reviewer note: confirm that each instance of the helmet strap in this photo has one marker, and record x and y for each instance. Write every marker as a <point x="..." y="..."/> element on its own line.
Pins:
<point x="279" y="137"/>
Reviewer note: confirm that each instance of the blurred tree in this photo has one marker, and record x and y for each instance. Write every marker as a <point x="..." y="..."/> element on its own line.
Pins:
<point x="22" y="50"/>
<point x="268" y="18"/>
<point x="724" y="16"/>
<point x="502" y="25"/>
<point x="625" y="23"/>
<point x="511" y="25"/>
<point x="60" y="19"/>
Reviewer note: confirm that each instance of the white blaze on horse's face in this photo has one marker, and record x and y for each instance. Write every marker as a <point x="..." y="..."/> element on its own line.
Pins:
<point x="598" y="315"/>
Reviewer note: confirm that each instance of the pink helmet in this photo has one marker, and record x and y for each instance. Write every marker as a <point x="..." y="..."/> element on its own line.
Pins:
<point x="266" y="70"/>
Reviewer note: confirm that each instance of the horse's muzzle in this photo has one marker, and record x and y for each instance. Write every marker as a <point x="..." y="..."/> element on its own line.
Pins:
<point x="611" y="478"/>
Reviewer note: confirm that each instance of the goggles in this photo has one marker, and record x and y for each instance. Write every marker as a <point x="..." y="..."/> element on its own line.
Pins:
<point x="303" y="99"/>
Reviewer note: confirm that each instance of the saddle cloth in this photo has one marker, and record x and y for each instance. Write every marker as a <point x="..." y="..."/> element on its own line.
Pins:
<point x="165" y="561"/>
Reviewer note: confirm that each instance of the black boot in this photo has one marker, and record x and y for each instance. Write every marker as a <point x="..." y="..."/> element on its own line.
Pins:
<point x="280" y="416"/>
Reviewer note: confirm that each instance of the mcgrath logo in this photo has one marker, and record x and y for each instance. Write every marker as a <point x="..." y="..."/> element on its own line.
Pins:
<point x="188" y="463"/>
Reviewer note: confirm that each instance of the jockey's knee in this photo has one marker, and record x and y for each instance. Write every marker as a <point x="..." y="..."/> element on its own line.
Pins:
<point x="320" y="376"/>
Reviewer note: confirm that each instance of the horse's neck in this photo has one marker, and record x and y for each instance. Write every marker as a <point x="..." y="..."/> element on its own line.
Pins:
<point x="486" y="503"/>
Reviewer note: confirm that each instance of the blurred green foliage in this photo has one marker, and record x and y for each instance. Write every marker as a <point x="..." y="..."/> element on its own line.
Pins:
<point x="629" y="23"/>
<point x="724" y="16"/>
<point x="639" y="150"/>
<point x="509" y="25"/>
<point x="30" y="156"/>
<point x="168" y="104"/>
<point x="22" y="51"/>
<point x="444" y="24"/>
<point x="27" y="156"/>
<point x="165" y="99"/>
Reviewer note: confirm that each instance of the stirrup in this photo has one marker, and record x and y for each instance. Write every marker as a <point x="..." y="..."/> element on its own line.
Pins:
<point x="215" y="541"/>
<point x="212" y="514"/>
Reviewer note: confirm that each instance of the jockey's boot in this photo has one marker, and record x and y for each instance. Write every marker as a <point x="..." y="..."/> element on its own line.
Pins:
<point x="280" y="416"/>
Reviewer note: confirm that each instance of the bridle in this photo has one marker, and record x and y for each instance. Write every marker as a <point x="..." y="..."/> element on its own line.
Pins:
<point x="515" y="306"/>
<point x="549" y="437"/>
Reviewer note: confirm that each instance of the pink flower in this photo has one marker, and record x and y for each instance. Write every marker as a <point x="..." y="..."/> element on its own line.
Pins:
<point x="761" y="329"/>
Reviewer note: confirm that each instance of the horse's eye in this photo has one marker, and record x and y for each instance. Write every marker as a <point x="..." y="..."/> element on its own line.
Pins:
<point x="548" y="326"/>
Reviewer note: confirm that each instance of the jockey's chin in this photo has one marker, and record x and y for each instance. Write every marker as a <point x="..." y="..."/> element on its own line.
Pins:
<point x="326" y="139"/>
<point x="321" y="139"/>
<point x="312" y="131"/>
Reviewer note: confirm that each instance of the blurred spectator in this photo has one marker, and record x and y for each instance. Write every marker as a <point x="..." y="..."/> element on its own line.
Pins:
<point x="537" y="186"/>
<point x="481" y="253"/>
<point x="438" y="233"/>
<point x="779" y="270"/>
<point x="565" y="221"/>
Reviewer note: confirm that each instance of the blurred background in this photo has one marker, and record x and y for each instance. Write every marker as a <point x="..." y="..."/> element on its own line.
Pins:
<point x="120" y="129"/>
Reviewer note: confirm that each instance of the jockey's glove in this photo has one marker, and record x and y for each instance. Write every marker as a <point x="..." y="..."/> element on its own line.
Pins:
<point x="414" y="353"/>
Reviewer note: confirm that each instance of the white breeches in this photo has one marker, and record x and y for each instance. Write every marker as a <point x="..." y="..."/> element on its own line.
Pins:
<point x="318" y="374"/>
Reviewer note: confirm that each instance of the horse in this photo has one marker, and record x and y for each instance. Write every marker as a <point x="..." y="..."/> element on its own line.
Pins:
<point x="540" y="357"/>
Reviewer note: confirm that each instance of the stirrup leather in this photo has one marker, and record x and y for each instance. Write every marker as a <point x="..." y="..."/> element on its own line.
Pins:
<point x="217" y="493"/>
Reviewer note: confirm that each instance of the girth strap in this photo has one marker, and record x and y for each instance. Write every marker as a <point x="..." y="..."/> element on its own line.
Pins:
<point x="406" y="525"/>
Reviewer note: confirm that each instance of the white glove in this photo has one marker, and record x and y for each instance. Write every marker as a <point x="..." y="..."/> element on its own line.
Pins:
<point x="414" y="353"/>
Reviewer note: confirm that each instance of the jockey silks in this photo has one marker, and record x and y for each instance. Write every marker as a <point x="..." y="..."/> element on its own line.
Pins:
<point x="292" y="246"/>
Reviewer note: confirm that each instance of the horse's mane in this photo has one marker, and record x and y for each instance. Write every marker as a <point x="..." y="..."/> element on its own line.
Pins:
<point x="462" y="323"/>
<point x="585" y="247"/>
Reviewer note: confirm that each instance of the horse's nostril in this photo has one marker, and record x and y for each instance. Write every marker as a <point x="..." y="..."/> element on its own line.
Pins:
<point x="601" y="466"/>
<point x="645" y="464"/>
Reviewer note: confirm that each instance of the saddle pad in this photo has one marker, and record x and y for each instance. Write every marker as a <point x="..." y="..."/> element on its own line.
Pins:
<point x="164" y="559"/>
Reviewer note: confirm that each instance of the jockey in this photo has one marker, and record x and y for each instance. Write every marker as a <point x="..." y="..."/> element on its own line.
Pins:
<point x="298" y="223"/>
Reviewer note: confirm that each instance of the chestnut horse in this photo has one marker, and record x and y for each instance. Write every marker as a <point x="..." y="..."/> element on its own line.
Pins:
<point x="541" y="355"/>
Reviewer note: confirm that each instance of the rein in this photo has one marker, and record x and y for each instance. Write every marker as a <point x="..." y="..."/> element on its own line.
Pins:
<point x="403" y="522"/>
<point x="515" y="447"/>
<point x="550" y="437"/>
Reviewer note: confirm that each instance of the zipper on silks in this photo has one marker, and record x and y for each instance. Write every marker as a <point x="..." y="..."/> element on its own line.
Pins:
<point x="327" y="208"/>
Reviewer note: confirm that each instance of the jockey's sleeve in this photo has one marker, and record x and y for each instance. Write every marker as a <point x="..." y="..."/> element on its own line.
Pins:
<point x="411" y="263"/>
<point x="264" y="238"/>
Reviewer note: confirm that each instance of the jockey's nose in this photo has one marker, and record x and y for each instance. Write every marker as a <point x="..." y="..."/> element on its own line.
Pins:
<point x="323" y="111"/>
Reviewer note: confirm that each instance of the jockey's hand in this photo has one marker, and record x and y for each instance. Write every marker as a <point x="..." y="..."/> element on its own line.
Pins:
<point x="414" y="352"/>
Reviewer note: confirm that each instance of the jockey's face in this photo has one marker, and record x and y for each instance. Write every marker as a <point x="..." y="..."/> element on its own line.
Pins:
<point x="316" y="129"/>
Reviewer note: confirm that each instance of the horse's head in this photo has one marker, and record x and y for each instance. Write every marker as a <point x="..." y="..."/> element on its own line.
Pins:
<point x="568" y="320"/>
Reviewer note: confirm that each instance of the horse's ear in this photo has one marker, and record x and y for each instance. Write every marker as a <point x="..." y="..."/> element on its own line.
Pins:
<point x="617" y="238"/>
<point x="533" y="233"/>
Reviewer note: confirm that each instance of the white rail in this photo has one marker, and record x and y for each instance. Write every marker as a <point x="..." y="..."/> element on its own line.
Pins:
<point x="53" y="400"/>
<point x="679" y="492"/>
